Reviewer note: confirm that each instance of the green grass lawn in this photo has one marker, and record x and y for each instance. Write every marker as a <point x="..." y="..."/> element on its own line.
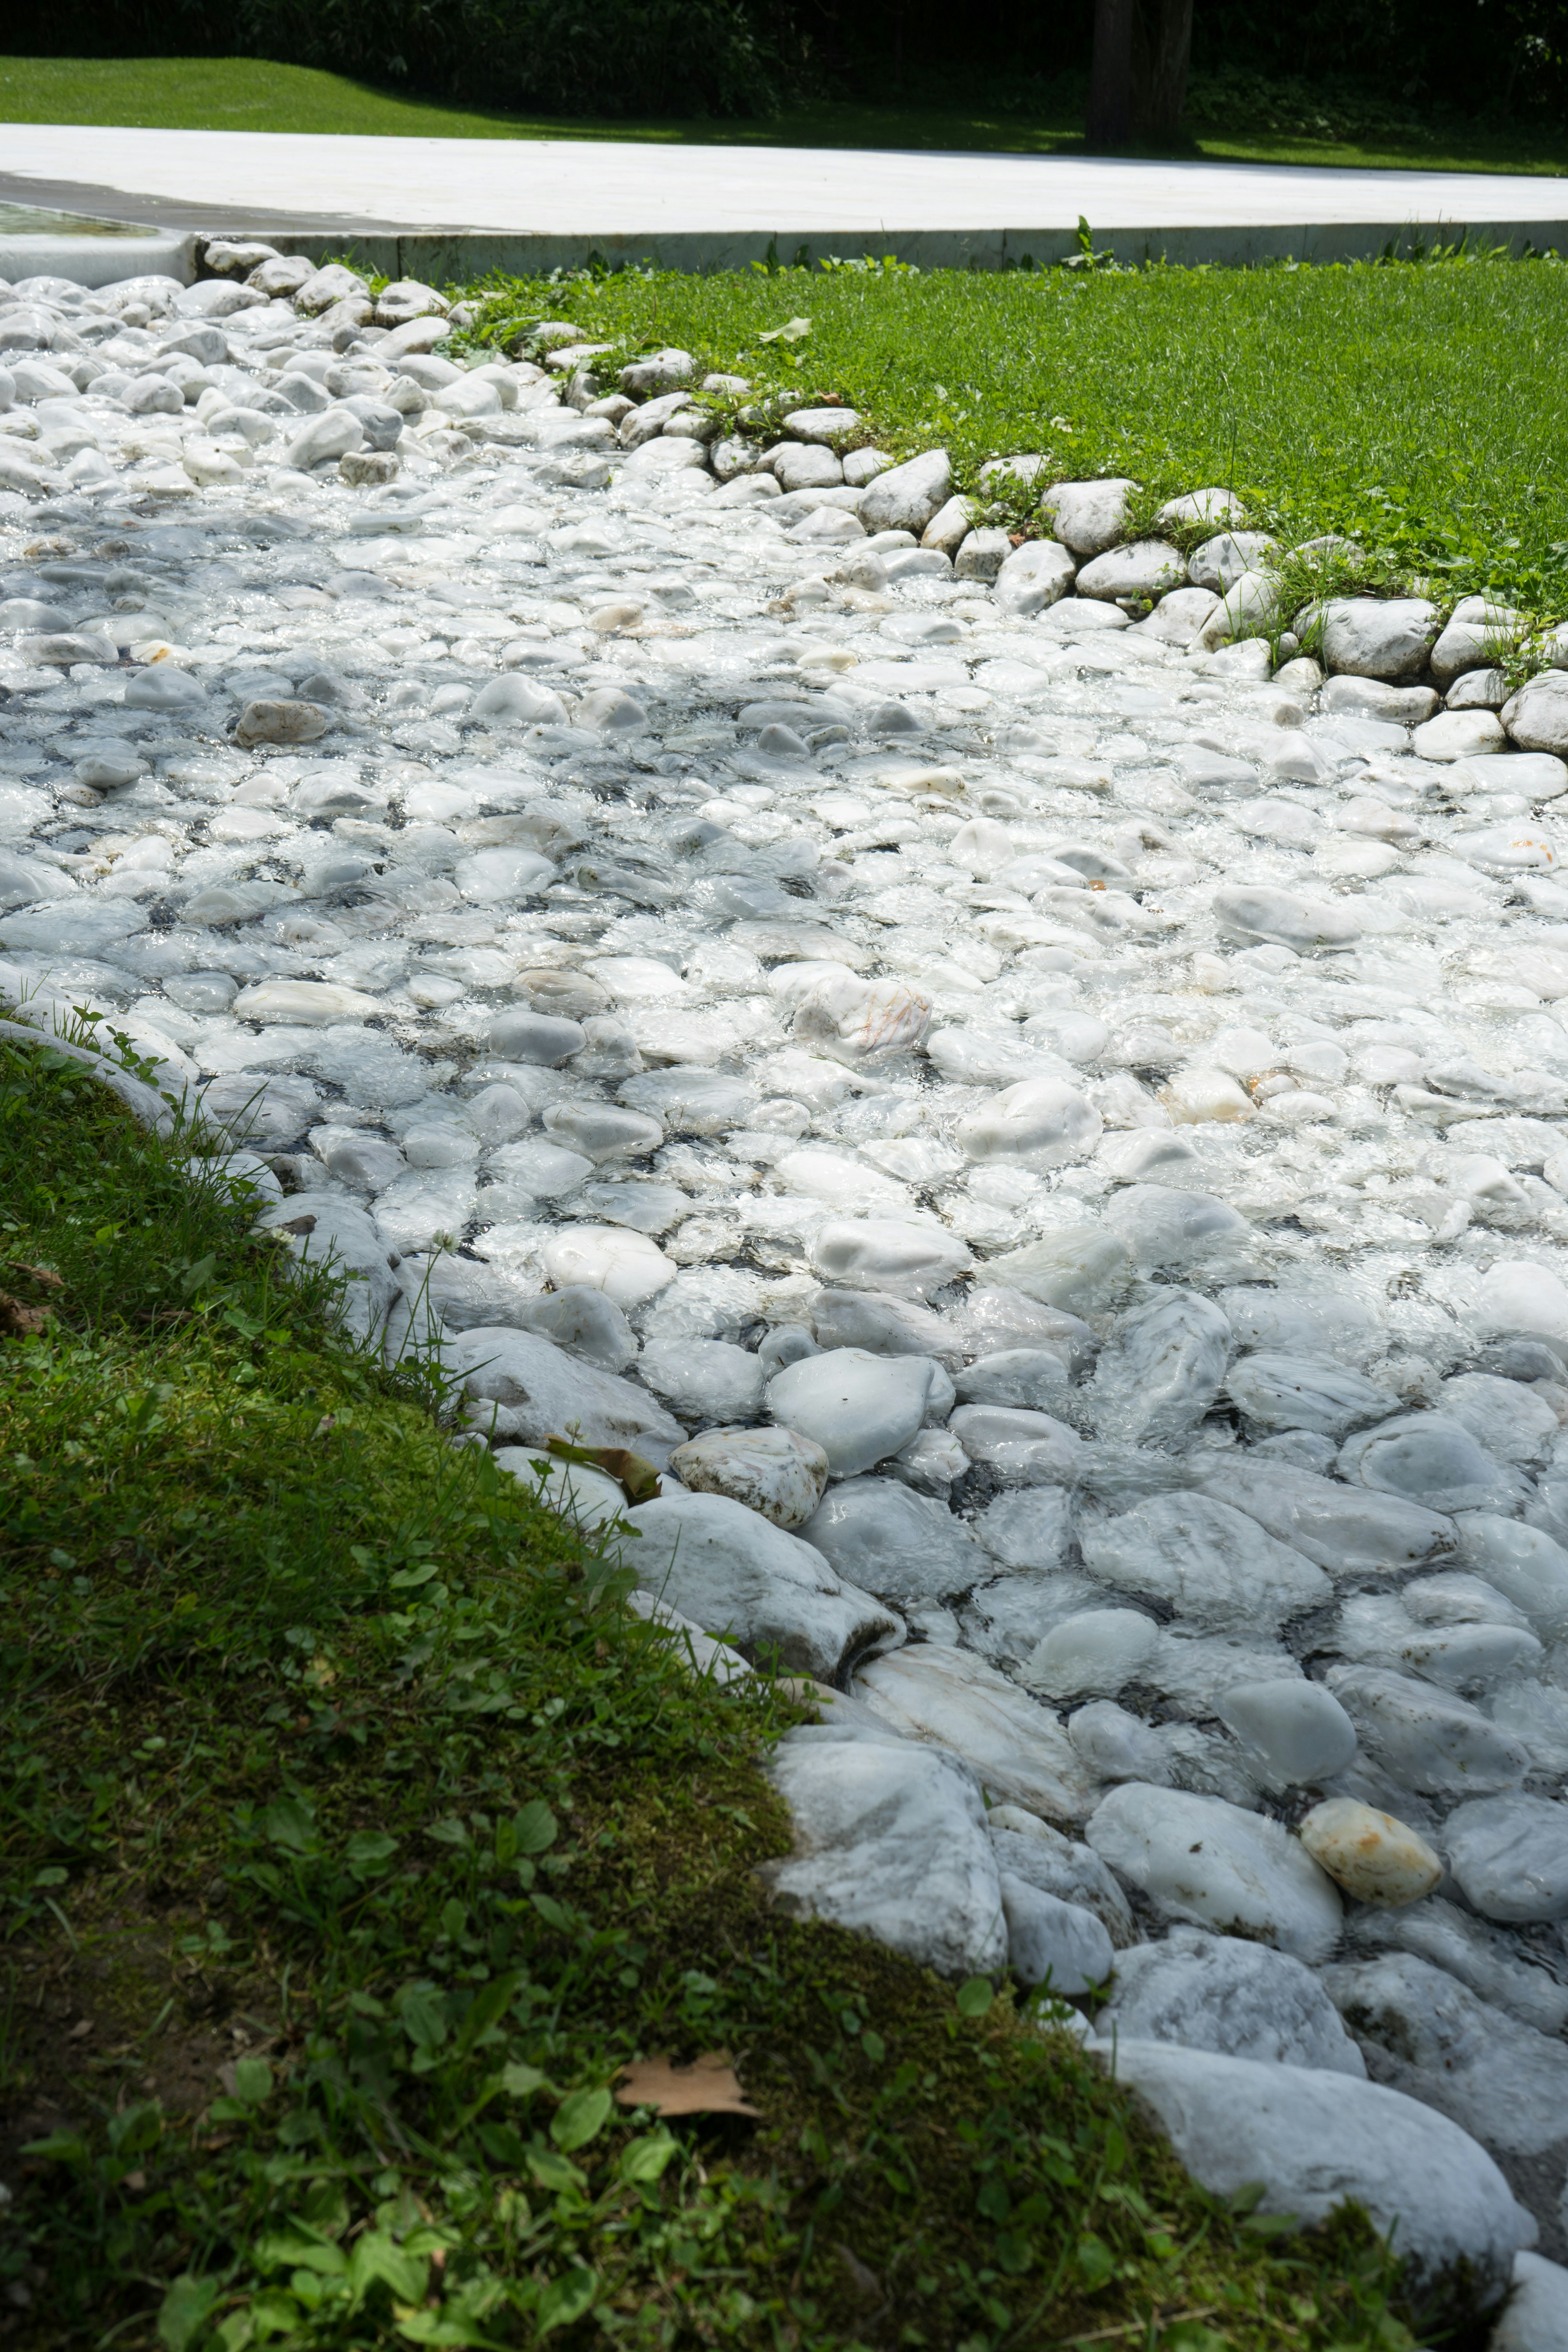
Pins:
<point x="1415" y="407"/>
<point x="353" y="1837"/>
<point x="253" y="94"/>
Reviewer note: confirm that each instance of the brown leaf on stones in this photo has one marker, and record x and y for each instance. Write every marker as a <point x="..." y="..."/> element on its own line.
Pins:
<point x="709" y="2086"/>
<point x="640" y="1478"/>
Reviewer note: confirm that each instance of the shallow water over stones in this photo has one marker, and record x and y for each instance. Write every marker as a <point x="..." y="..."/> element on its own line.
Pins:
<point x="1057" y="1137"/>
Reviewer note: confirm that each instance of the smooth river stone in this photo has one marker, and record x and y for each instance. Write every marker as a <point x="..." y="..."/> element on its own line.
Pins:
<point x="626" y="1265"/>
<point x="878" y="1254"/>
<point x="1031" y="1378"/>
<point x="1026" y="1449"/>
<point x="1204" y="1860"/>
<point x="1509" y="1857"/>
<point x="1525" y="1564"/>
<point x="1426" y="1457"/>
<point x="1435" y="2040"/>
<point x="1037" y="1124"/>
<point x="530" y="1389"/>
<point x="308" y="1003"/>
<point x="1054" y="1943"/>
<point x="1291" y="1391"/>
<point x="703" y="1379"/>
<point x="889" y="1842"/>
<point x="1217" y="1993"/>
<point x="1162" y="1368"/>
<point x="1208" y="1562"/>
<point x="1094" y="1653"/>
<point x="860" y="1408"/>
<point x="1344" y="1528"/>
<point x="908" y="1548"/>
<point x="775" y="1472"/>
<point x="1373" y="1857"/>
<point x="1426" y="1739"/>
<point x="1315" y="2139"/>
<point x="1030" y="1848"/>
<point x="1299" y="1729"/>
<point x="748" y="1583"/>
<point x="954" y="1699"/>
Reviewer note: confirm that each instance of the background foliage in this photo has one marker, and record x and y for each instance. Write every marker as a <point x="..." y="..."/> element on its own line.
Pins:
<point x="1362" y="66"/>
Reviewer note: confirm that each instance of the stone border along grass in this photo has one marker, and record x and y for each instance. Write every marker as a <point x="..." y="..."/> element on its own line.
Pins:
<point x="1468" y="550"/>
<point x="1472" y="676"/>
<point x="357" y="1834"/>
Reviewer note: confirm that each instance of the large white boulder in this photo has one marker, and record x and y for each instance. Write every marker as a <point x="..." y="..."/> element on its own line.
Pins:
<point x="906" y="497"/>
<point x="956" y="1701"/>
<point x="531" y="1388"/>
<point x="1088" y="517"/>
<point x="1033" y="576"/>
<point x="889" y="1840"/>
<point x="1218" y="1992"/>
<point x="1206" y="1862"/>
<point x="1318" y="2140"/>
<point x="1431" y="2037"/>
<point x="1537" y="716"/>
<point x="740" y="1578"/>
<point x="1375" y="636"/>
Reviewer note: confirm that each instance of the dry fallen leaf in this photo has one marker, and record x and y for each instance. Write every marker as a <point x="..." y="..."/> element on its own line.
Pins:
<point x="50" y="1281"/>
<point x="709" y="2086"/>
<point x="20" y="1322"/>
<point x="640" y="1478"/>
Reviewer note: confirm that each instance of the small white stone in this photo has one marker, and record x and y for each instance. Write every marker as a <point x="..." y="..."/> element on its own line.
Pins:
<point x="1026" y="1449"/>
<point x="306" y="1003"/>
<point x="775" y="1472"/>
<point x="1037" y="1124"/>
<point x="1299" y="1728"/>
<point x="628" y="1266"/>
<point x="860" y="1408"/>
<point x="1096" y="1652"/>
<point x="878" y="1254"/>
<point x="1373" y="1857"/>
<point x="859" y="1021"/>
<point x="1053" y="1943"/>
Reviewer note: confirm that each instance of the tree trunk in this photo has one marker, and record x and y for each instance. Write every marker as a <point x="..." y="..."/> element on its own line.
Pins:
<point x="1111" y="75"/>
<point x="1163" y="48"/>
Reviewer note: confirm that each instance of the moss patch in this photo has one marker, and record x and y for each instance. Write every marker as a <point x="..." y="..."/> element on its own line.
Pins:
<point x="354" y="1837"/>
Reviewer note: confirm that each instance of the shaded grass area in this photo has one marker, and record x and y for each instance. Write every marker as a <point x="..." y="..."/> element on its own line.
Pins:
<point x="353" y="1836"/>
<point x="1412" y="406"/>
<point x="260" y="94"/>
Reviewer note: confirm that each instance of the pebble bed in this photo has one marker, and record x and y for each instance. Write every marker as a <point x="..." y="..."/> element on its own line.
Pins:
<point x="1046" y="1129"/>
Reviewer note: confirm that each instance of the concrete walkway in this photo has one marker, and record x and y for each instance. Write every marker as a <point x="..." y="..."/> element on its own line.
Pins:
<point x="451" y="204"/>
